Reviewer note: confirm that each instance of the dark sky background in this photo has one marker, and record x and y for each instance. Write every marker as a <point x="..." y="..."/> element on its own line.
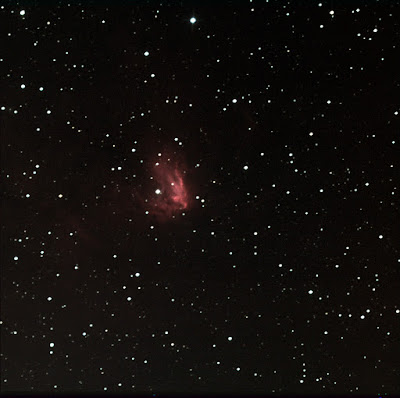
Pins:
<point x="269" y="260"/>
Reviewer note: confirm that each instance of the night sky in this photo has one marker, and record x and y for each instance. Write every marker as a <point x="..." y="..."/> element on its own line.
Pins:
<point x="200" y="197"/>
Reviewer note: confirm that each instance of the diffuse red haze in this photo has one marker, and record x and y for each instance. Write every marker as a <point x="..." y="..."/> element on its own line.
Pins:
<point x="171" y="194"/>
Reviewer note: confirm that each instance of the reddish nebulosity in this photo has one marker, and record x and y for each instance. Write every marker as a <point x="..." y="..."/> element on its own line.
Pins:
<point x="170" y="195"/>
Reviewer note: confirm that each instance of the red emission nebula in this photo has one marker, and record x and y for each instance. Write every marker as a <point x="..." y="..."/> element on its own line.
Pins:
<point x="170" y="195"/>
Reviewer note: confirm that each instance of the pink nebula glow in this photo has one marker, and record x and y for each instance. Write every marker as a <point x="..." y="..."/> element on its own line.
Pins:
<point x="171" y="195"/>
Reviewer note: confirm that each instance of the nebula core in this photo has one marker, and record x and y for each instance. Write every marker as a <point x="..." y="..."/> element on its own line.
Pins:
<point x="170" y="195"/>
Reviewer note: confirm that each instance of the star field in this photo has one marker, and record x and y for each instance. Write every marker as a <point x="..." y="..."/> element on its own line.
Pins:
<point x="200" y="197"/>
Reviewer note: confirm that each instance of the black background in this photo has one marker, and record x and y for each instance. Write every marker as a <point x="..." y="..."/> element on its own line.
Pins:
<point x="315" y="121"/>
